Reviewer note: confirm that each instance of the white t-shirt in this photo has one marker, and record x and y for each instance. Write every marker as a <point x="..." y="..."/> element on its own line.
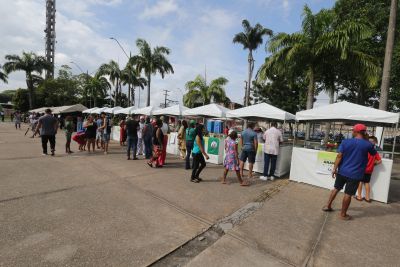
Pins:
<point x="272" y="139"/>
<point x="164" y="128"/>
<point x="140" y="130"/>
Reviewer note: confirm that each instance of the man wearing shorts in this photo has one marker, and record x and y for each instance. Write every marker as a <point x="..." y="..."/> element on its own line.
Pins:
<point x="349" y="168"/>
<point x="249" y="145"/>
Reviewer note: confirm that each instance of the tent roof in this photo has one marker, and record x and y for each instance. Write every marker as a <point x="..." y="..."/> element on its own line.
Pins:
<point x="69" y="109"/>
<point x="210" y="110"/>
<point x="41" y="110"/>
<point x="175" y="110"/>
<point x="98" y="110"/>
<point x="261" y="111"/>
<point x="348" y="112"/>
<point x="148" y="111"/>
<point x="126" y="111"/>
<point x="112" y="110"/>
<point x="89" y="110"/>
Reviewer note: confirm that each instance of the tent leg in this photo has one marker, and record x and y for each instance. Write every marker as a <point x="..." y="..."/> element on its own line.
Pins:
<point x="394" y="140"/>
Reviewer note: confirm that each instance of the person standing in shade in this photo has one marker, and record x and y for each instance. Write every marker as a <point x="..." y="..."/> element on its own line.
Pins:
<point x="68" y="129"/>
<point x="249" y="145"/>
<point x="48" y="126"/>
<point x="132" y="127"/>
<point x="349" y="168"/>
<point x="140" y="136"/>
<point x="90" y="132"/>
<point x="165" y="130"/>
<point x="190" y="137"/>
<point x="147" y="135"/>
<point x="158" y="138"/>
<point x="106" y="127"/>
<point x="273" y="138"/>
<point x="182" y="139"/>
<point x="199" y="163"/>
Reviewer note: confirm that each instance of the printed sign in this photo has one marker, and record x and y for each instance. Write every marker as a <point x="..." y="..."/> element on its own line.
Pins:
<point x="213" y="146"/>
<point x="325" y="162"/>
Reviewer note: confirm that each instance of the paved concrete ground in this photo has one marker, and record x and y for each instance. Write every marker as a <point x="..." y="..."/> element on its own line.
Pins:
<point x="97" y="210"/>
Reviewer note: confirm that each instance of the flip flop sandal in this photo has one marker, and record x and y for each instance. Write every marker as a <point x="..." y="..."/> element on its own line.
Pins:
<point x="195" y="181"/>
<point x="346" y="218"/>
<point x="150" y="165"/>
<point x="244" y="184"/>
<point x="326" y="209"/>
<point x="359" y="199"/>
<point x="368" y="200"/>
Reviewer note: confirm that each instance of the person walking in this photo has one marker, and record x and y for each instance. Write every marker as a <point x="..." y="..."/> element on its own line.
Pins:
<point x="165" y="130"/>
<point x="122" y="132"/>
<point x="140" y="136"/>
<point x="68" y="129"/>
<point x="249" y="145"/>
<point x="99" y="133"/>
<point x="198" y="153"/>
<point x="132" y="127"/>
<point x="190" y="137"/>
<point x="147" y="136"/>
<point x="231" y="161"/>
<point x="158" y="138"/>
<point x="17" y="120"/>
<point x="48" y="125"/>
<point x="182" y="139"/>
<point x="90" y="132"/>
<point x="349" y="168"/>
<point x="273" y="138"/>
<point x="372" y="162"/>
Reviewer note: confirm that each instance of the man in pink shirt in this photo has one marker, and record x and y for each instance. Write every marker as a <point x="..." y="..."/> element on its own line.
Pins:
<point x="273" y="138"/>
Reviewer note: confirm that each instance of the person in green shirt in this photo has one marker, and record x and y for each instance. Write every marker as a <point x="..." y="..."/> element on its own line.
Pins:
<point x="69" y="129"/>
<point x="190" y="136"/>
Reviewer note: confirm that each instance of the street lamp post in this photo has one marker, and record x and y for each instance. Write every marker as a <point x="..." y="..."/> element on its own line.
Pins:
<point x="87" y="82"/>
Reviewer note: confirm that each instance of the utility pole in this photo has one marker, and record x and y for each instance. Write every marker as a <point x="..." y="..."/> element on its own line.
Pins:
<point x="165" y="97"/>
<point x="50" y="35"/>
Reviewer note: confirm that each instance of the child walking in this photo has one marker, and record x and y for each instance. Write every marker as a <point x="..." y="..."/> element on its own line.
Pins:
<point x="372" y="161"/>
<point x="231" y="162"/>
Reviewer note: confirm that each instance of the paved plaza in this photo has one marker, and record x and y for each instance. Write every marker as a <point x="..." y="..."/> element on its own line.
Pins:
<point x="96" y="210"/>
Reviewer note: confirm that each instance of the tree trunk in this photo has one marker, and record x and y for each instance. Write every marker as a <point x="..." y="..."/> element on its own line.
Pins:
<point x="133" y="95"/>
<point x="116" y="92"/>
<point x="383" y="103"/>
<point x="29" y="84"/>
<point x="310" y="98"/>
<point x="148" y="90"/>
<point x="328" y="125"/>
<point x="250" y="73"/>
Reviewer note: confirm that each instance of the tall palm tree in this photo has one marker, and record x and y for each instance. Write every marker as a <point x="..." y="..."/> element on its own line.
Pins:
<point x="199" y="92"/>
<point x="114" y="73"/>
<point x="251" y="38"/>
<point x="131" y="77"/>
<point x="3" y="75"/>
<point x="98" y="86"/>
<point x="383" y="103"/>
<point x="33" y="65"/>
<point x="151" y="61"/>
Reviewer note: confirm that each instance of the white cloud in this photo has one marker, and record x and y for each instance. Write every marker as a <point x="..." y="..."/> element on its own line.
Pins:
<point x="160" y="9"/>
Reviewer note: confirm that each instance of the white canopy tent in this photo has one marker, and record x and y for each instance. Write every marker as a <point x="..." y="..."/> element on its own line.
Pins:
<point x="40" y="110"/>
<point x="348" y="112"/>
<point x="98" y="110"/>
<point x="126" y="111"/>
<point x="176" y="110"/>
<point x="112" y="110"/>
<point x="147" y="111"/>
<point x="88" y="111"/>
<point x="69" y="109"/>
<point x="210" y="110"/>
<point x="261" y="111"/>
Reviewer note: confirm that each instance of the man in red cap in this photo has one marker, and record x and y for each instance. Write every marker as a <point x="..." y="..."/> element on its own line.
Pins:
<point x="349" y="167"/>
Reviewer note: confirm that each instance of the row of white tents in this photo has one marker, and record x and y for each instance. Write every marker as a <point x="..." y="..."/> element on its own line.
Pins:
<point x="341" y="111"/>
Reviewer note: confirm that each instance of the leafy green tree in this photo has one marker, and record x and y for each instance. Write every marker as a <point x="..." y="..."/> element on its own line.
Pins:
<point x="131" y="77"/>
<point x="21" y="100"/>
<point x="151" y="61"/>
<point x="201" y="93"/>
<point x="33" y="65"/>
<point x="3" y="75"/>
<point x="6" y="96"/>
<point x="114" y="73"/>
<point x="251" y="38"/>
<point x="98" y="86"/>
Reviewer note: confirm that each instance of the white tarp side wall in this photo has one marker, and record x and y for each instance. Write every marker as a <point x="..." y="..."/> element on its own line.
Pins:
<point x="210" y="110"/>
<point x="345" y="111"/>
<point x="126" y="111"/>
<point x="147" y="111"/>
<point x="176" y="110"/>
<point x="262" y="110"/>
<point x="89" y="110"/>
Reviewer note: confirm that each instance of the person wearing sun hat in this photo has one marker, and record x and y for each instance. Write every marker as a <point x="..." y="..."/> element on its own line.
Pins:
<point x="349" y="168"/>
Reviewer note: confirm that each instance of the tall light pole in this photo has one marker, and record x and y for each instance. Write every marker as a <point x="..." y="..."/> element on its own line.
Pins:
<point x="87" y="82"/>
<point x="128" y="57"/>
<point x="50" y="35"/>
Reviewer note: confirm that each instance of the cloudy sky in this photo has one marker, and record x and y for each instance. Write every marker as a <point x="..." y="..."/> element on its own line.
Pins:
<point x="198" y="32"/>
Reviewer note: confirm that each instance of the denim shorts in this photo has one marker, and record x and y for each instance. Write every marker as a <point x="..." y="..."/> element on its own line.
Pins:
<point x="106" y="137"/>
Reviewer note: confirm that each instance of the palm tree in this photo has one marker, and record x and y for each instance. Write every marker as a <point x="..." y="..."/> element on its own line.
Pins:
<point x="114" y="73"/>
<point x="151" y="61"/>
<point x="199" y="92"/>
<point x="33" y="65"/>
<point x="131" y="77"/>
<point x="251" y="38"/>
<point x="98" y="85"/>
<point x="3" y="75"/>
<point x="383" y="103"/>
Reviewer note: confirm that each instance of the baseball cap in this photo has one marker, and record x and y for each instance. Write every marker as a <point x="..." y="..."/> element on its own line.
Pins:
<point x="359" y="128"/>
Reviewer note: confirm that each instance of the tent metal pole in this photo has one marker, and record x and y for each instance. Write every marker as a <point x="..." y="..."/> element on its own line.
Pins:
<point x="394" y="140"/>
